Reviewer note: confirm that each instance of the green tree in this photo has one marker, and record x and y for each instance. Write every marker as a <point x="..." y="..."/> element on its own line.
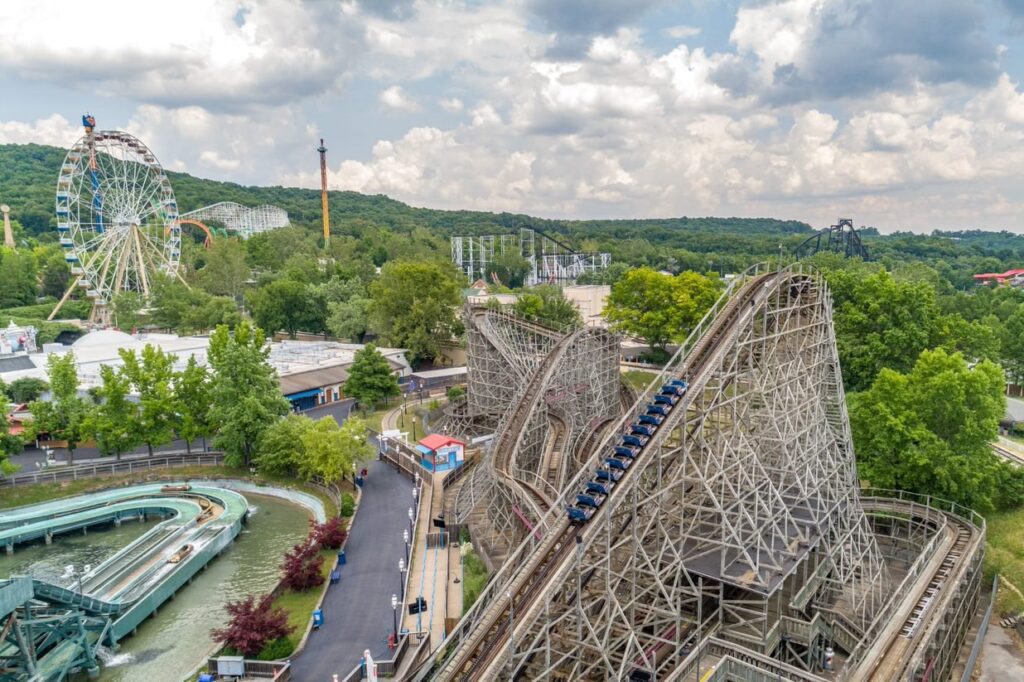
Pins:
<point x="151" y="373"/>
<point x="348" y="308"/>
<point x="281" y="450"/>
<point x="1012" y="351"/>
<point x="9" y="444"/>
<point x="929" y="431"/>
<point x="112" y="422"/>
<point x="225" y="271"/>
<point x="414" y="306"/>
<point x="547" y="305"/>
<point x="331" y="452"/>
<point x="880" y="322"/>
<point x="658" y="307"/>
<point x="193" y="399"/>
<point x="56" y="276"/>
<point x="510" y="268"/>
<point x="17" y="278"/>
<point x="26" y="389"/>
<point x="246" y="395"/>
<point x="370" y="378"/>
<point x="63" y="416"/>
<point x="128" y="307"/>
<point x="289" y="305"/>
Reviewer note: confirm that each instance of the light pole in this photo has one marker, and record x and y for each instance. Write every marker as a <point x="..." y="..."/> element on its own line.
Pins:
<point x="401" y="577"/>
<point x="410" y="520"/>
<point x="394" y="615"/>
<point x="414" y="428"/>
<point x="405" y="536"/>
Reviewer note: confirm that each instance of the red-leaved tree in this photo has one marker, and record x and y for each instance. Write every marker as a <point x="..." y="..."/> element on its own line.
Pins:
<point x="329" y="534"/>
<point x="253" y="624"/>
<point x="302" y="567"/>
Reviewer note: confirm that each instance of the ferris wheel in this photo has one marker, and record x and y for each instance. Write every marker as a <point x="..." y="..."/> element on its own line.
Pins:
<point x="116" y="216"/>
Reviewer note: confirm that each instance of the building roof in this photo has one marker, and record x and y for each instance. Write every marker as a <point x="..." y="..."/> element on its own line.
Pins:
<point x="317" y="378"/>
<point x="440" y="373"/>
<point x="436" y="440"/>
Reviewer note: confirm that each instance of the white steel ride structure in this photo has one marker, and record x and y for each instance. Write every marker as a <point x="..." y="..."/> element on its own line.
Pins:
<point x="117" y="218"/>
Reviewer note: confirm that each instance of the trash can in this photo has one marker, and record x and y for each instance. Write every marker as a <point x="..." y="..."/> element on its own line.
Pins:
<point x="359" y="481"/>
<point x="335" y="576"/>
<point x="341" y="558"/>
<point x="318" y="618"/>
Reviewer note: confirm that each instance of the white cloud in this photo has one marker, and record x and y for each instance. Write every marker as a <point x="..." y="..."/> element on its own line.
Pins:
<point x="54" y="130"/>
<point x="213" y="159"/>
<point x="682" y="31"/>
<point x="184" y="52"/>
<point x="451" y="104"/>
<point x="395" y="98"/>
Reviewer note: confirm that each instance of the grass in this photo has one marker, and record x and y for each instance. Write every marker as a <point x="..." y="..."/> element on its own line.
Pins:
<point x="474" y="578"/>
<point x="1004" y="554"/>
<point x="639" y="379"/>
<point x="300" y="605"/>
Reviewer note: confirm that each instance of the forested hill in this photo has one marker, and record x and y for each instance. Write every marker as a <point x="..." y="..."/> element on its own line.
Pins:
<point x="28" y="174"/>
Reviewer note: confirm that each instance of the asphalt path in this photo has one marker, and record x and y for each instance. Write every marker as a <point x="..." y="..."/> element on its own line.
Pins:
<point x="28" y="458"/>
<point x="357" y="611"/>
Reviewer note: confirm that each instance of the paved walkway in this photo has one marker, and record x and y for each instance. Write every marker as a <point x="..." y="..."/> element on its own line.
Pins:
<point x="357" y="611"/>
<point x="430" y="572"/>
<point x="1002" y="658"/>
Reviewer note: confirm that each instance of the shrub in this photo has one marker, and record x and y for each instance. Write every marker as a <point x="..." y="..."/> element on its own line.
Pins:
<point x="253" y="624"/>
<point x="474" y="578"/>
<point x="455" y="392"/>
<point x="348" y="505"/>
<point x="281" y="647"/>
<point x="302" y="567"/>
<point x="327" y="535"/>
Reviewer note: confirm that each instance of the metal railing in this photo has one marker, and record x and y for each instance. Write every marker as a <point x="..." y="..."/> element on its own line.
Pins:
<point x="75" y="472"/>
<point x="972" y="660"/>
<point x="280" y="671"/>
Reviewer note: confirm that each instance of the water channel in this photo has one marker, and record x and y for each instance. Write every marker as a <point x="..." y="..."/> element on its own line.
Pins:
<point x="173" y="642"/>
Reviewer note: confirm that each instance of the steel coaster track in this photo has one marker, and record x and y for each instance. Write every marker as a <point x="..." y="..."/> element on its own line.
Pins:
<point x="473" y="658"/>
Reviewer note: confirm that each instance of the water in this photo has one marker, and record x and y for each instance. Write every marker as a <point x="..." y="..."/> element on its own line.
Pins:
<point x="173" y="642"/>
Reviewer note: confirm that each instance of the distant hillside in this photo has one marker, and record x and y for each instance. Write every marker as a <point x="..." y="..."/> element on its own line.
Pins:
<point x="28" y="174"/>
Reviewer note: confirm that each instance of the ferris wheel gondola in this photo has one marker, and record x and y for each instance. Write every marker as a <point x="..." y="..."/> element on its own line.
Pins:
<point x="117" y="218"/>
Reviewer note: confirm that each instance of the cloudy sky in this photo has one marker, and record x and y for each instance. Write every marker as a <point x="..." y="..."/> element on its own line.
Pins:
<point x="904" y="114"/>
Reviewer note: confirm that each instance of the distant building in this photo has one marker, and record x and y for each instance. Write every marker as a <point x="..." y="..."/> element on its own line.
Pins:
<point x="17" y="339"/>
<point x="590" y="300"/>
<point x="441" y="453"/>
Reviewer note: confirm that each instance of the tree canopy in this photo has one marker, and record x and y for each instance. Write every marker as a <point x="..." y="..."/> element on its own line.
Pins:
<point x="62" y="417"/>
<point x="929" y="430"/>
<point x="658" y="307"/>
<point x="547" y="305"/>
<point x="370" y="378"/>
<point x="245" y="395"/>
<point x="414" y="306"/>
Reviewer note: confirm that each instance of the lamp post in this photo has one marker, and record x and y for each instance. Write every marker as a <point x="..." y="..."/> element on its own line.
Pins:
<point x="411" y="516"/>
<point x="394" y="615"/>
<point x="405" y="536"/>
<point x="401" y="577"/>
<point x="414" y="428"/>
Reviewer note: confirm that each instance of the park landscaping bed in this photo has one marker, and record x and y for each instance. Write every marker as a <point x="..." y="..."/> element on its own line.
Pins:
<point x="1004" y="554"/>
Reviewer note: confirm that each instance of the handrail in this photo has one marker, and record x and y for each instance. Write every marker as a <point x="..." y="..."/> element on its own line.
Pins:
<point x="76" y="471"/>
